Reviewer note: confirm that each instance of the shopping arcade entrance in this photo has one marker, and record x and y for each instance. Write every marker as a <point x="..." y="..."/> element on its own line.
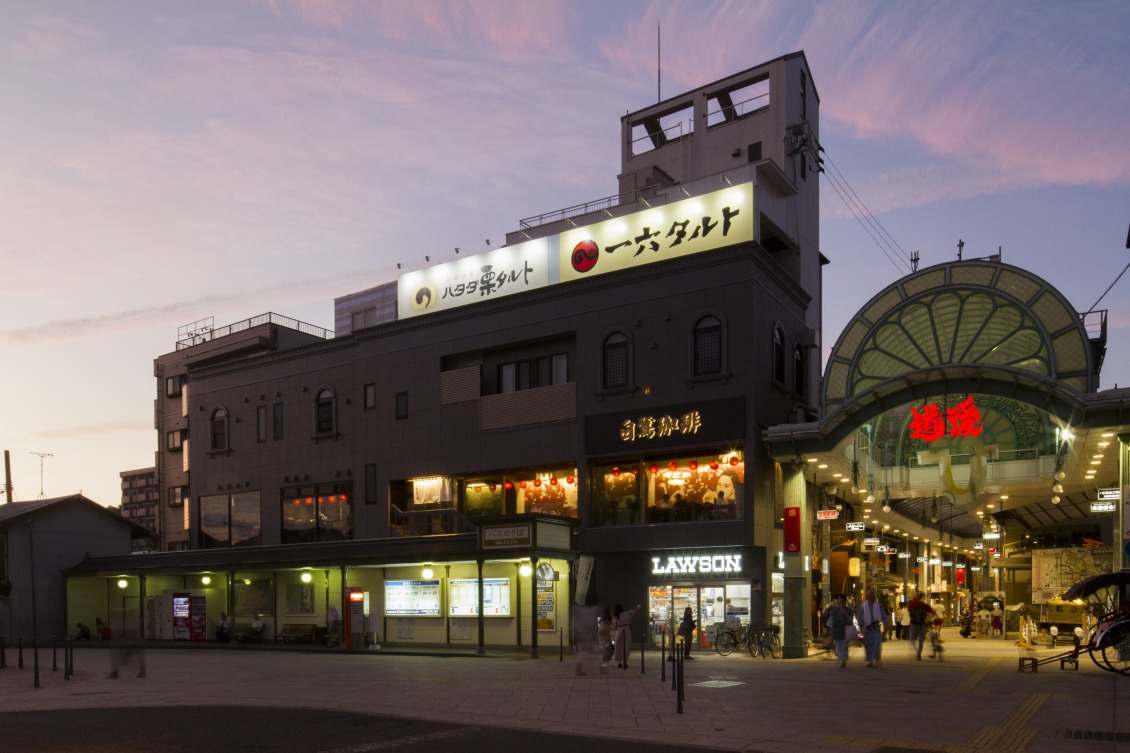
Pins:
<point x="930" y="342"/>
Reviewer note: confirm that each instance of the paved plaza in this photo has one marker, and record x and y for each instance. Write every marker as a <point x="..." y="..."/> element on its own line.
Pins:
<point x="974" y="700"/>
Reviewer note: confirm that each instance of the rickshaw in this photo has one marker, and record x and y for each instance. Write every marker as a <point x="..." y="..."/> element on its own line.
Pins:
<point x="1108" y="640"/>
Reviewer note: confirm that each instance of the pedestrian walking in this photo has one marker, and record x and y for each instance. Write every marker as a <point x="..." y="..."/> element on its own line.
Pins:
<point x="622" y="622"/>
<point x="871" y="618"/>
<point x="920" y="615"/>
<point x="604" y="629"/>
<point x="686" y="632"/>
<point x="839" y="620"/>
<point x="903" y="621"/>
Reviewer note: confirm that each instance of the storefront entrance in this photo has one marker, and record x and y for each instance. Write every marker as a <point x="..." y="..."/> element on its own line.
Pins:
<point x="712" y="606"/>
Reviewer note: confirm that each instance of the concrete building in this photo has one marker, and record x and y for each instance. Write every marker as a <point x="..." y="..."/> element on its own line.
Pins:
<point x="141" y="503"/>
<point x="622" y="404"/>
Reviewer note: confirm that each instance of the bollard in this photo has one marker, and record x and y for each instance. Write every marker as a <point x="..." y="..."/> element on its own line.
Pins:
<point x="663" y="657"/>
<point x="561" y="640"/>
<point x="20" y="651"/>
<point x="67" y="657"/>
<point x="3" y="658"/>
<point x="54" y="659"/>
<point x="673" y="658"/>
<point x="643" y="649"/>
<point x="678" y="670"/>
<point x="35" y="659"/>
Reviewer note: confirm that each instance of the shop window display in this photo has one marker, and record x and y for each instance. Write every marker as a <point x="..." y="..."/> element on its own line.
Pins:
<point x="549" y="492"/>
<point x="670" y="490"/>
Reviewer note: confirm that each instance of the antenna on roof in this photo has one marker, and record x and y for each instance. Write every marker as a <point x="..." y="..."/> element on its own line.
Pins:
<point x="41" y="456"/>
<point x="659" y="67"/>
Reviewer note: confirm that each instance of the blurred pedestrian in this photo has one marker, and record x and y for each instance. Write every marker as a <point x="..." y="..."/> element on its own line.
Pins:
<point x="920" y="615"/>
<point x="622" y="623"/>
<point x="839" y="619"/>
<point x="686" y="632"/>
<point x="871" y="618"/>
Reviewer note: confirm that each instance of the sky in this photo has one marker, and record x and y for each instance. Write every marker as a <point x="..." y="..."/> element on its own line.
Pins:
<point x="166" y="162"/>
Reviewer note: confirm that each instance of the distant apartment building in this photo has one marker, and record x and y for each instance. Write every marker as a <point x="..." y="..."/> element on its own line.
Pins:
<point x="141" y="500"/>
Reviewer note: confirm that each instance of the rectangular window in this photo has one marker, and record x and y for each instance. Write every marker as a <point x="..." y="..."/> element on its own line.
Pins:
<point x="370" y="483"/>
<point x="277" y="421"/>
<point x="176" y="495"/>
<point x="246" y="529"/>
<point x="261" y="423"/>
<point x="317" y="513"/>
<point x="537" y="372"/>
<point x="214" y="521"/>
<point x="401" y="405"/>
<point x="173" y="385"/>
<point x="370" y="396"/>
<point x="670" y="489"/>
<point x="174" y="440"/>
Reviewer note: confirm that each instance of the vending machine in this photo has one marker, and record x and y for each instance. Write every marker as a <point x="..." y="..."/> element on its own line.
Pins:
<point x="182" y="617"/>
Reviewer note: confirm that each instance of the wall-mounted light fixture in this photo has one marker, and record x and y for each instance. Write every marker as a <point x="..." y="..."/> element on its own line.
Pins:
<point x="307" y="577"/>
<point x="428" y="573"/>
<point x="122" y="583"/>
<point x="524" y="569"/>
<point x="206" y="579"/>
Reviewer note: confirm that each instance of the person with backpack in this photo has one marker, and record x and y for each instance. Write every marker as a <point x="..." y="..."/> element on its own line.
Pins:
<point x="920" y="615"/>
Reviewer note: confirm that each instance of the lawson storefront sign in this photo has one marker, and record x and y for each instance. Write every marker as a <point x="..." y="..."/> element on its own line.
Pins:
<point x="696" y="563"/>
<point x="681" y="228"/>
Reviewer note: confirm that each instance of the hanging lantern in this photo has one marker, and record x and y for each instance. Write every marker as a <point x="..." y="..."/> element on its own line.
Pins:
<point x="521" y="484"/>
<point x="672" y="465"/>
<point x="537" y="482"/>
<point x="693" y="465"/>
<point x="553" y="481"/>
<point x="616" y="472"/>
<point x="653" y="468"/>
<point x="570" y="480"/>
<point x="635" y="470"/>
<point x="713" y="465"/>
<point x="491" y="487"/>
<point x="734" y="460"/>
<point x="508" y="486"/>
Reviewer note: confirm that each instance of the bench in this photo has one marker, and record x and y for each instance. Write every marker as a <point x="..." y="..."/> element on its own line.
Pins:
<point x="1029" y="662"/>
<point x="294" y="633"/>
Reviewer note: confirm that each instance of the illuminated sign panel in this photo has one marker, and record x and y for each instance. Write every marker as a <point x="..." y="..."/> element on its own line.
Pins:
<point x="506" y="537"/>
<point x="706" y="563"/>
<point x="854" y="525"/>
<point x="827" y="514"/>
<point x="690" y="226"/>
<point x="498" y="273"/>
<point x="962" y="420"/>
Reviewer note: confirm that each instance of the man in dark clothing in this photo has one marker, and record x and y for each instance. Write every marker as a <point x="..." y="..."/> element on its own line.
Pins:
<point x="920" y="616"/>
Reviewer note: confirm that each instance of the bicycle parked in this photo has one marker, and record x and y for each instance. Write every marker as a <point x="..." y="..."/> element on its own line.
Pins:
<point x="727" y="640"/>
<point x="767" y="642"/>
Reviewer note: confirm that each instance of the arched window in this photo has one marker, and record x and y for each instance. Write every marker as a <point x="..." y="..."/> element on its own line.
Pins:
<point x="616" y="367"/>
<point x="324" y="412"/>
<point x="779" y="355"/>
<point x="218" y="436"/>
<point x="800" y="370"/>
<point x="708" y="346"/>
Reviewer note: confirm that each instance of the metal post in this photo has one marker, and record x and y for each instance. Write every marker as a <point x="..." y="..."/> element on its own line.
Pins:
<point x="3" y="657"/>
<point x="68" y="646"/>
<point x="678" y="670"/>
<point x="20" y="651"/>
<point x="643" y="649"/>
<point x="663" y="657"/>
<point x="561" y="648"/>
<point x="35" y="659"/>
<point x="54" y="658"/>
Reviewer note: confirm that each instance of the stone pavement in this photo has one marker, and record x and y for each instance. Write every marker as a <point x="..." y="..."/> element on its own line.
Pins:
<point x="974" y="700"/>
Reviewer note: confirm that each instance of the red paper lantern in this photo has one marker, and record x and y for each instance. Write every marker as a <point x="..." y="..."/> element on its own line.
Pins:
<point x="635" y="470"/>
<point x="521" y="484"/>
<point x="537" y="482"/>
<point x="570" y="479"/>
<point x="673" y="465"/>
<point x="491" y="487"/>
<point x="654" y="469"/>
<point x="616" y="472"/>
<point x="713" y="465"/>
<point x="553" y="481"/>
<point x="692" y="465"/>
<point x="734" y="460"/>
<point x="508" y="486"/>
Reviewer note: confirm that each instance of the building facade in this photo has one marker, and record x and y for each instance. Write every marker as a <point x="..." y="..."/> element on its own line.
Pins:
<point x="611" y="368"/>
<point x="141" y="503"/>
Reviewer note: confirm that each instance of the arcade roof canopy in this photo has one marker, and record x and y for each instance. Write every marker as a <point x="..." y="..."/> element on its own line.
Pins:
<point x="932" y="340"/>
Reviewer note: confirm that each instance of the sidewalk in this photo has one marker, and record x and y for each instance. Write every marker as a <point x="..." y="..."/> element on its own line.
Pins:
<point x="974" y="700"/>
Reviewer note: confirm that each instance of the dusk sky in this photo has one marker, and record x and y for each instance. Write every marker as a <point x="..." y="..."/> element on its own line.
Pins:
<point x="165" y="162"/>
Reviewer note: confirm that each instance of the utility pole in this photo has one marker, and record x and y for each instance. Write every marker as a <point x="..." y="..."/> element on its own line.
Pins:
<point x="41" y="456"/>
<point x="7" y="476"/>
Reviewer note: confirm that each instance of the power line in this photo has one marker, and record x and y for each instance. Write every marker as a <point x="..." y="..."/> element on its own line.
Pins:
<point x="870" y="224"/>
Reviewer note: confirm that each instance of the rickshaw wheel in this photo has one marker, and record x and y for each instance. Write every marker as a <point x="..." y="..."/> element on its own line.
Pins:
<point x="1116" y="651"/>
